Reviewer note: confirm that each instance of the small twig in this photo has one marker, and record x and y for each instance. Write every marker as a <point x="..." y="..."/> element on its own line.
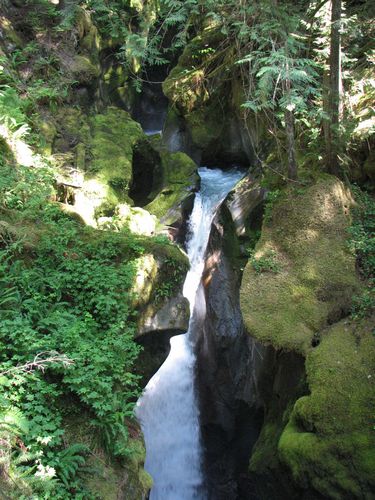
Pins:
<point x="40" y="363"/>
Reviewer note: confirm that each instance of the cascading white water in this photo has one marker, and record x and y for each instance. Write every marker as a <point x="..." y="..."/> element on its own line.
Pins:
<point x="168" y="410"/>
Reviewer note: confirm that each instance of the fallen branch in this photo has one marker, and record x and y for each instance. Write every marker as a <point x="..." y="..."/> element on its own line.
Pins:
<point x="40" y="363"/>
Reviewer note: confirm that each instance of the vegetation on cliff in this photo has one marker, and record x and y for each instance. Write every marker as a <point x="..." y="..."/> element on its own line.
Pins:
<point x="317" y="237"/>
<point x="69" y="292"/>
<point x="259" y="83"/>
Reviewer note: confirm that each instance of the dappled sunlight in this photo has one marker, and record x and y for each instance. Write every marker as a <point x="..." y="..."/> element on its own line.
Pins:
<point x="144" y="279"/>
<point x="21" y="150"/>
<point x="212" y="262"/>
<point x="88" y="199"/>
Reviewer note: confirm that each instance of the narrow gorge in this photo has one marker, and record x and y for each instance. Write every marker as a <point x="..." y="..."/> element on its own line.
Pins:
<point x="187" y="250"/>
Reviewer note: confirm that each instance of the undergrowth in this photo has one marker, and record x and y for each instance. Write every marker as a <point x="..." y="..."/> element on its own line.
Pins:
<point x="362" y="244"/>
<point x="66" y="331"/>
<point x="266" y="263"/>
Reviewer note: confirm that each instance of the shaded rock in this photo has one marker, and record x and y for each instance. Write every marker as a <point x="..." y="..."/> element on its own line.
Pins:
<point x="228" y="363"/>
<point x="211" y="124"/>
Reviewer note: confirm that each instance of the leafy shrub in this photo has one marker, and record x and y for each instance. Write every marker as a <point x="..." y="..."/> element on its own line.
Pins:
<point x="69" y="293"/>
<point x="272" y="198"/>
<point x="362" y="244"/>
<point x="266" y="263"/>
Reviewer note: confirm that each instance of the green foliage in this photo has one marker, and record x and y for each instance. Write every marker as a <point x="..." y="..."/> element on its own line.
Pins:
<point x="362" y="244"/>
<point x="272" y="198"/>
<point x="172" y="274"/>
<point x="68" y="463"/>
<point x="12" y="109"/>
<point x="163" y="291"/>
<point x="24" y="188"/>
<point x="68" y="292"/>
<point x="266" y="263"/>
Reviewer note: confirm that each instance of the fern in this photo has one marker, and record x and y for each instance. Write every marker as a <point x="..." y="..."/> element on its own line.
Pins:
<point x="12" y="421"/>
<point x="69" y="461"/>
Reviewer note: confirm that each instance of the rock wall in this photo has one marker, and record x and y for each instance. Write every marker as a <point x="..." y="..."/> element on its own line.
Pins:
<point x="286" y="391"/>
<point x="316" y="434"/>
<point x="228" y="364"/>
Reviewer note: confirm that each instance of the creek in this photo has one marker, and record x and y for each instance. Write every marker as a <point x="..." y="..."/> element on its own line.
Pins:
<point x="168" y="409"/>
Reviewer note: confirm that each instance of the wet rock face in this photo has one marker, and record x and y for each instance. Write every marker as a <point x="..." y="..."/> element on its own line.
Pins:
<point x="231" y="412"/>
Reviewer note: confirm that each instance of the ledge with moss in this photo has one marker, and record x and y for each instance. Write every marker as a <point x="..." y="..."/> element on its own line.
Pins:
<point x="329" y="442"/>
<point x="309" y="276"/>
<point x="178" y="179"/>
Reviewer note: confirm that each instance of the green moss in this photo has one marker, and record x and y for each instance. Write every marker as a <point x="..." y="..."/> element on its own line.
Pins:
<point x="9" y="33"/>
<point x="307" y="232"/>
<point x="178" y="176"/>
<point x="48" y="133"/>
<point x="84" y="70"/>
<point x="114" y="134"/>
<point x="185" y="84"/>
<point x="206" y="124"/>
<point x="72" y="126"/>
<point x="329" y="444"/>
<point x="106" y="477"/>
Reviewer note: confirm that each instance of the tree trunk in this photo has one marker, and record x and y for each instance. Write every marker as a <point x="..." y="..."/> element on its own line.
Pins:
<point x="332" y="136"/>
<point x="289" y="129"/>
<point x="291" y="148"/>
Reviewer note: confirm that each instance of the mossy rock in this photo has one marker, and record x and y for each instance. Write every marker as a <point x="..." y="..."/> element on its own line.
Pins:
<point x="185" y="84"/>
<point x="89" y="38"/>
<point x="329" y="443"/>
<point x="316" y="277"/>
<point x="48" y="132"/>
<point x="108" y="478"/>
<point x="127" y="482"/>
<point x="178" y="178"/>
<point x="114" y="135"/>
<point x="72" y="128"/>
<point x="116" y="88"/>
<point x="9" y="33"/>
<point x="157" y="289"/>
<point x="206" y="125"/>
<point x="84" y="70"/>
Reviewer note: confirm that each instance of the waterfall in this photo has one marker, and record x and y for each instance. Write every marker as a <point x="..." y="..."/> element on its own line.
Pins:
<point x="168" y="409"/>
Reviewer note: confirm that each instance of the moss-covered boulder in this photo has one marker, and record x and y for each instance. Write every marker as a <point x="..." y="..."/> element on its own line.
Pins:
<point x="178" y="178"/>
<point x="84" y="70"/>
<point x="113" y="137"/>
<point x="302" y="276"/>
<point x="157" y="289"/>
<point x="99" y="149"/>
<point x="114" y="134"/>
<point x="329" y="442"/>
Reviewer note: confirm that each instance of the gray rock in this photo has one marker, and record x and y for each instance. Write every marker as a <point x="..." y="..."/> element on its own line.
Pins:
<point x="172" y="315"/>
<point x="243" y="200"/>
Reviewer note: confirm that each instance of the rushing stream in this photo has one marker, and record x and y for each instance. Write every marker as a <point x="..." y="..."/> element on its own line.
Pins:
<point x="168" y="410"/>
